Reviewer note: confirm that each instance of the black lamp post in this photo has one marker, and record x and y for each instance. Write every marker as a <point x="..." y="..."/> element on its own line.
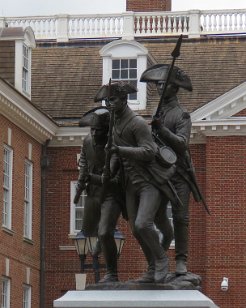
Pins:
<point x="119" y="240"/>
<point x="84" y="244"/>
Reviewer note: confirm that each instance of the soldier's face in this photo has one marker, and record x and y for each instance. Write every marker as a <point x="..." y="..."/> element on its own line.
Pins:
<point x="99" y="135"/>
<point x="116" y="103"/>
<point x="171" y="89"/>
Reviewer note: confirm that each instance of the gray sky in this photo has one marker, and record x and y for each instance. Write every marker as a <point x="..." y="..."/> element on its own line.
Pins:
<point x="51" y="7"/>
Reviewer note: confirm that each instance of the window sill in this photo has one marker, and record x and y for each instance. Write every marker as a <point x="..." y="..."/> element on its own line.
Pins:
<point x="8" y="231"/>
<point x="28" y="241"/>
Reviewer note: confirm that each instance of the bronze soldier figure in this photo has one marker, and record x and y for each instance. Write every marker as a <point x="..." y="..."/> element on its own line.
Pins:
<point x="173" y="128"/>
<point x="137" y="151"/>
<point x="100" y="216"/>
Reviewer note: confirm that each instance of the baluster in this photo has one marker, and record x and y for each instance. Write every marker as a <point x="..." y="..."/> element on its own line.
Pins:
<point x="169" y="24"/>
<point x="113" y="28"/>
<point x="154" y="24"/>
<point x="158" y="24"/>
<point x="137" y="22"/>
<point x="225" y="17"/>
<point x="210" y="28"/>
<point x="107" y="26"/>
<point x="39" y="34"/>
<point x="240" y="21"/>
<point x="178" y="24"/>
<point x="230" y="21"/>
<point x="235" y="22"/>
<point x="148" y="25"/>
<point x="220" y="25"/>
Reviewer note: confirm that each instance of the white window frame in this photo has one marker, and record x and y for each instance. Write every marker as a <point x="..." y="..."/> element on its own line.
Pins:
<point x="75" y="207"/>
<point x="28" y="187"/>
<point x="27" y="296"/>
<point x="28" y="40"/>
<point x="124" y="49"/>
<point x="5" y="296"/>
<point x="26" y="68"/>
<point x="7" y="187"/>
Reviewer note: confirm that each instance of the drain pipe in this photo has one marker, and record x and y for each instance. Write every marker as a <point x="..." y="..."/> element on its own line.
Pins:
<point x="44" y="164"/>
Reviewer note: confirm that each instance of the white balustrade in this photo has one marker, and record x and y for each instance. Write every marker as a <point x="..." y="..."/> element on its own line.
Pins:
<point x="226" y="21"/>
<point x="132" y="24"/>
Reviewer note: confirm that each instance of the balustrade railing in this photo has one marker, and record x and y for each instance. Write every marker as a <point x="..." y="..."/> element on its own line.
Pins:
<point x="132" y="24"/>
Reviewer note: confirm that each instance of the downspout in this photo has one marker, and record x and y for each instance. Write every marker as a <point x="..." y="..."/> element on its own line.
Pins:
<point x="44" y="164"/>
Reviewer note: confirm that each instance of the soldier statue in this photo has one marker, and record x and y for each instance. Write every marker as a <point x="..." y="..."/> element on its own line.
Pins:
<point x="172" y="128"/>
<point x="146" y="182"/>
<point x="100" y="212"/>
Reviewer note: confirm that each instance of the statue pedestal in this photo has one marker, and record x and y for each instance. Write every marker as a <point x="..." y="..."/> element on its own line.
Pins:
<point x="177" y="291"/>
<point x="134" y="298"/>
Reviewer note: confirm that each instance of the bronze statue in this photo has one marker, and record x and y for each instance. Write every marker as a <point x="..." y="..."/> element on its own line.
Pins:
<point x="145" y="180"/>
<point x="172" y="127"/>
<point x="100" y="214"/>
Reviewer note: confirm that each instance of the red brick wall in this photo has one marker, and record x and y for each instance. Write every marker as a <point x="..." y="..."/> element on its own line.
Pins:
<point x="148" y="5"/>
<point x="21" y="254"/>
<point x="216" y="242"/>
<point x="225" y="229"/>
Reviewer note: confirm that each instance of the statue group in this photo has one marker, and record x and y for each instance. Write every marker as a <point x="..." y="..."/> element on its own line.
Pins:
<point x="135" y="168"/>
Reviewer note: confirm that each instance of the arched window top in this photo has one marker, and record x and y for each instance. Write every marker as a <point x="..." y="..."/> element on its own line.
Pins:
<point x="121" y="48"/>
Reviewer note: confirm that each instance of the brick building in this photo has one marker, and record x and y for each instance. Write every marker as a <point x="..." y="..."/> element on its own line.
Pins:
<point x="66" y="71"/>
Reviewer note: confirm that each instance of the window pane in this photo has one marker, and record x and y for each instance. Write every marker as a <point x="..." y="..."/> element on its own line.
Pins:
<point x="5" y="293"/>
<point x="133" y="63"/>
<point x="27" y="226"/>
<point x="7" y="187"/>
<point x="26" y="296"/>
<point x="116" y="64"/>
<point x="133" y="73"/>
<point x="124" y="74"/>
<point x="124" y="63"/>
<point x="115" y="74"/>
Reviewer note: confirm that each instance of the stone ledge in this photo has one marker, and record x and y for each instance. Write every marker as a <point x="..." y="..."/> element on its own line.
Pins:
<point x="134" y="299"/>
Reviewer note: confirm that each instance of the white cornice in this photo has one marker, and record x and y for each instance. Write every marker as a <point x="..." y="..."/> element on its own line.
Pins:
<point x="69" y="136"/>
<point x="216" y="117"/>
<point x="223" y="106"/>
<point x="24" y="114"/>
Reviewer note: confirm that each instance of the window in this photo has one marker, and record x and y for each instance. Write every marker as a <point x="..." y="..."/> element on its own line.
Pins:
<point x="7" y="186"/>
<point x="126" y="70"/>
<point x="26" y="296"/>
<point x="25" y="69"/>
<point x="28" y="200"/>
<point x="76" y="210"/>
<point x="5" y="293"/>
<point x="126" y="60"/>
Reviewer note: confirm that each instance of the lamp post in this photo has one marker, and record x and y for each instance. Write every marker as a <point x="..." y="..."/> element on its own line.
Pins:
<point x="84" y="244"/>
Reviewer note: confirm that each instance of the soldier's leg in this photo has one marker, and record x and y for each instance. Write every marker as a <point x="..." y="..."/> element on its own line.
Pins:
<point x="110" y="212"/>
<point x="91" y="217"/>
<point x="149" y="203"/>
<point x="132" y="201"/>
<point x="181" y="224"/>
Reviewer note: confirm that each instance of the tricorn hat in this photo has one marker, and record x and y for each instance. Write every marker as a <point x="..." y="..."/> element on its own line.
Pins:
<point x="159" y="72"/>
<point x="119" y="88"/>
<point x="96" y="117"/>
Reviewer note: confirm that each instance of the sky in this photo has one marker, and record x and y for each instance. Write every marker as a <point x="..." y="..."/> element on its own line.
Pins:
<point x="52" y="7"/>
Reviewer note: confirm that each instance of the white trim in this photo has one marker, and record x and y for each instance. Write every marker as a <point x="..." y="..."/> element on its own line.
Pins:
<point x="8" y="223"/>
<point x="27" y="295"/>
<point x="226" y="105"/>
<point x="7" y="281"/>
<point x="24" y="114"/>
<point x="73" y="231"/>
<point x="27" y="233"/>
